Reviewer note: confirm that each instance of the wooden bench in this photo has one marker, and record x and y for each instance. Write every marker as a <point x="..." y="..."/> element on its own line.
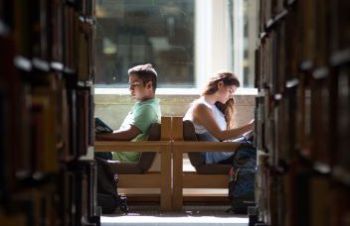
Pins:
<point x="136" y="175"/>
<point x="206" y="175"/>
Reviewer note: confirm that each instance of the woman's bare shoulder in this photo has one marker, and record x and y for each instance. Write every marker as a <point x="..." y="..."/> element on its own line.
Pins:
<point x="200" y="108"/>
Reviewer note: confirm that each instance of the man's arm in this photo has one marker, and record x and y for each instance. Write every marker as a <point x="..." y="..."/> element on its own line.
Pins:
<point x="126" y="134"/>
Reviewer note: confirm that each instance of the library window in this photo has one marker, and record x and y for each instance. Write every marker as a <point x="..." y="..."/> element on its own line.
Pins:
<point x="187" y="41"/>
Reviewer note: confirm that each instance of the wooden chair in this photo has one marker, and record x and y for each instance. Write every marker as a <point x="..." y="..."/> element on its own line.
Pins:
<point x="206" y="175"/>
<point x="136" y="175"/>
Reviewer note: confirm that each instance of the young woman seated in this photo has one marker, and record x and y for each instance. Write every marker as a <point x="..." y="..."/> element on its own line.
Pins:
<point x="213" y="115"/>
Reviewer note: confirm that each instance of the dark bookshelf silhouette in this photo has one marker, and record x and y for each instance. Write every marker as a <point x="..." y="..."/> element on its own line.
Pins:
<point x="303" y="112"/>
<point x="46" y="113"/>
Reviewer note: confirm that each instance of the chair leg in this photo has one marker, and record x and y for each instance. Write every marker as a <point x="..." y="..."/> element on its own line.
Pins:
<point x="177" y="186"/>
<point x="165" y="190"/>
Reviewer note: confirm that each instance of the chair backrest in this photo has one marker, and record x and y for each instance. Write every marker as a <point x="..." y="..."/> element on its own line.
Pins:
<point x="196" y="158"/>
<point x="189" y="134"/>
<point x="146" y="158"/>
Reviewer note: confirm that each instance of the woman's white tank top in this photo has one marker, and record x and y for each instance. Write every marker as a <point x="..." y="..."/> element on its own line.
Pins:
<point x="218" y="116"/>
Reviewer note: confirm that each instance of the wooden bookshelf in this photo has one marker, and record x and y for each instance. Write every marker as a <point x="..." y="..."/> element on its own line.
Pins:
<point x="46" y="113"/>
<point x="303" y="112"/>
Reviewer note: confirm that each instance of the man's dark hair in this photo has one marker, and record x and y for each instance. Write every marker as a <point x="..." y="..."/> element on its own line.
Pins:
<point x="146" y="73"/>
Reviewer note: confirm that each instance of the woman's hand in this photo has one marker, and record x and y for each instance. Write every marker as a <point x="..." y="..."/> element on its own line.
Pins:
<point x="251" y="124"/>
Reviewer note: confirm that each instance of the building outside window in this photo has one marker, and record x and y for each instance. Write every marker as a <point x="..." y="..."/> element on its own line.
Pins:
<point x="186" y="40"/>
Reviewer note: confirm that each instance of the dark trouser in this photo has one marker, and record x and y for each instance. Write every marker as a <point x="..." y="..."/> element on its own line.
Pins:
<point x="104" y="155"/>
<point x="228" y="160"/>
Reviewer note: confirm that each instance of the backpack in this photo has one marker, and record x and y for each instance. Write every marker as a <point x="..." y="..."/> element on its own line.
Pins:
<point x="107" y="184"/>
<point x="241" y="186"/>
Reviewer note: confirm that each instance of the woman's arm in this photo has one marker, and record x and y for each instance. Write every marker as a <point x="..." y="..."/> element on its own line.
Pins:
<point x="203" y="115"/>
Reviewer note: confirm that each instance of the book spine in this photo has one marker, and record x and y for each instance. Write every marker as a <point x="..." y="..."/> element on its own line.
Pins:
<point x="303" y="112"/>
<point x="46" y="113"/>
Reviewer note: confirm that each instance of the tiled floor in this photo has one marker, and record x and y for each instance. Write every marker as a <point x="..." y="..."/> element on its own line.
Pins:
<point x="190" y="216"/>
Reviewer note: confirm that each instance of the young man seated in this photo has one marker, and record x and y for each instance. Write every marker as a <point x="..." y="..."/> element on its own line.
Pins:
<point x="146" y="110"/>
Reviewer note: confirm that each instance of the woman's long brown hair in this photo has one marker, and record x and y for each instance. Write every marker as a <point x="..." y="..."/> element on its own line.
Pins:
<point x="227" y="109"/>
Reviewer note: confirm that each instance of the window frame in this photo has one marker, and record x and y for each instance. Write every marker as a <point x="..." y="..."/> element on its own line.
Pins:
<point x="214" y="49"/>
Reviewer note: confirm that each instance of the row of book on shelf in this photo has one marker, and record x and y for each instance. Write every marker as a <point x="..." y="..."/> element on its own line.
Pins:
<point x="302" y="112"/>
<point x="46" y="113"/>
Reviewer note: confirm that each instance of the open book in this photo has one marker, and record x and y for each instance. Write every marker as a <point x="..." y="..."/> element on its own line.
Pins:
<point x="249" y="136"/>
<point x="102" y="127"/>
